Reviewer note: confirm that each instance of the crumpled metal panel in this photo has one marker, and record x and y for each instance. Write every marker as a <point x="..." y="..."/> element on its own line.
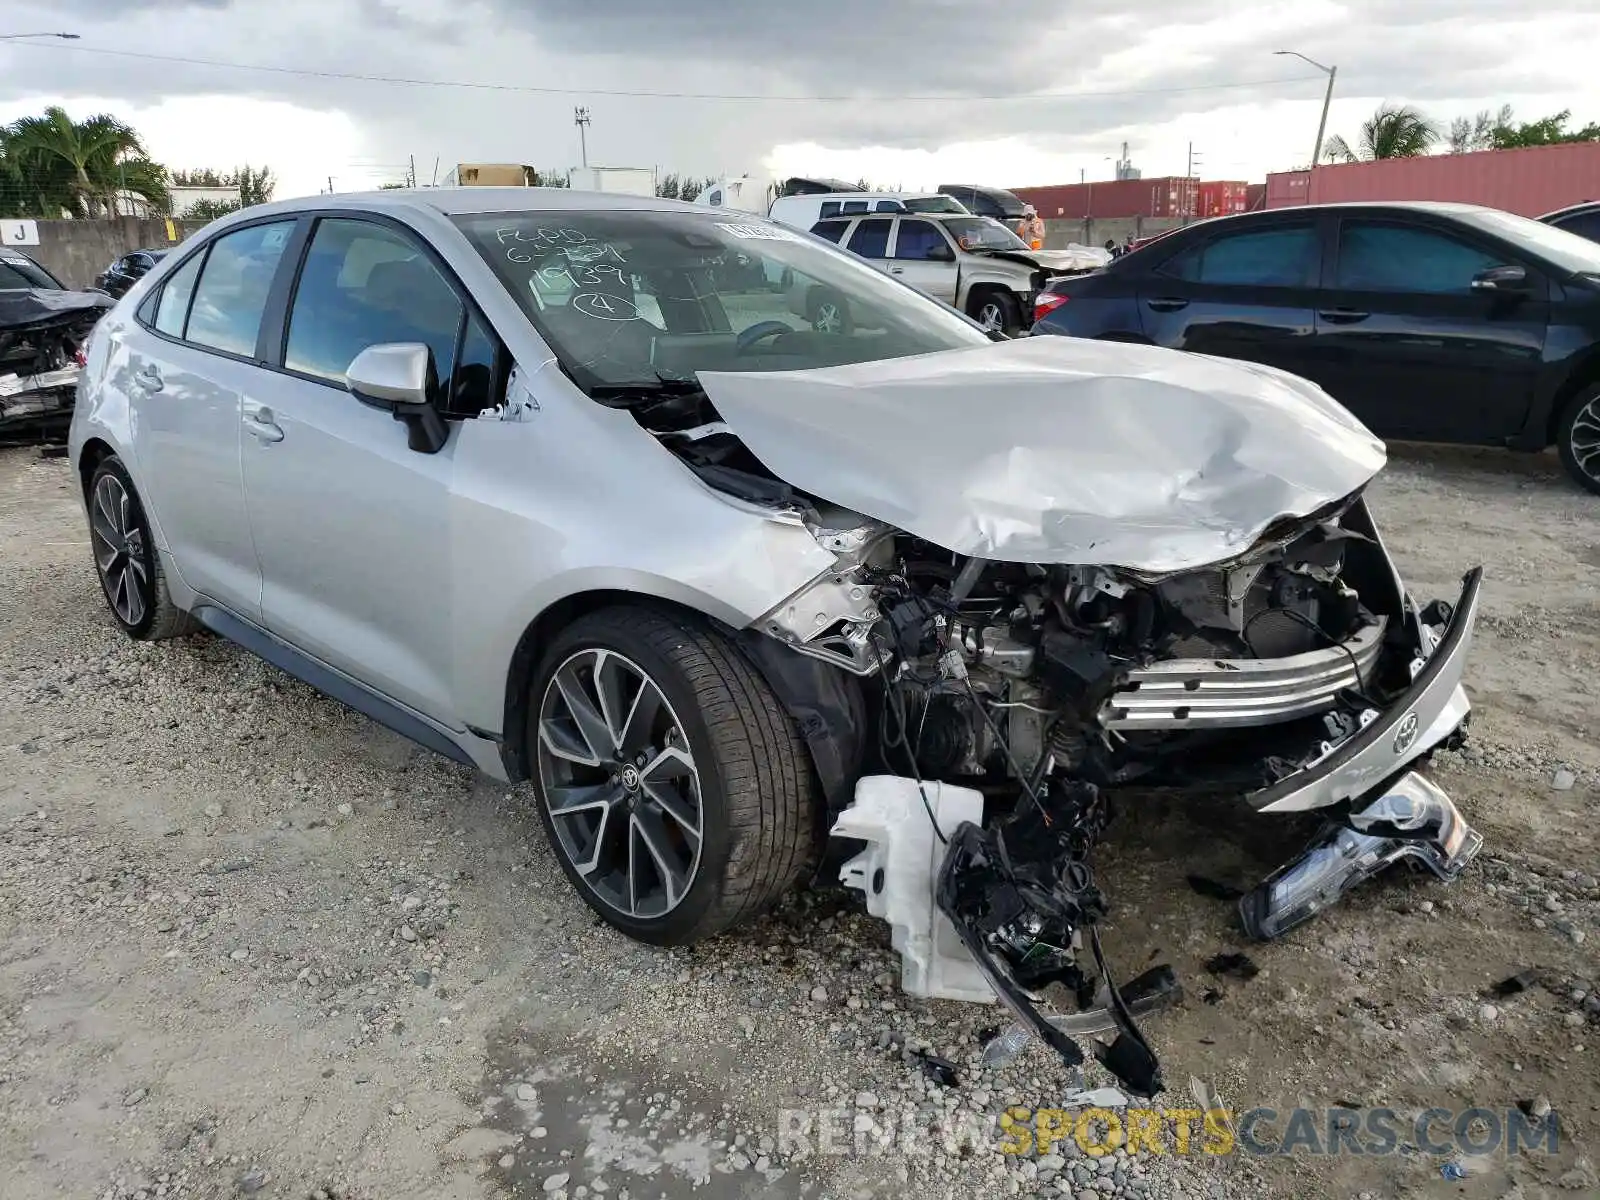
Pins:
<point x="1057" y="450"/>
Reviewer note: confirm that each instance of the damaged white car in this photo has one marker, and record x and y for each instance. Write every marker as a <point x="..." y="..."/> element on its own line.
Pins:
<point x="540" y="481"/>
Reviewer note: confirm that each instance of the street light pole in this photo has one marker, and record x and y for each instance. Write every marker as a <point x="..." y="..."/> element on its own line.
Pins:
<point x="1327" y="99"/>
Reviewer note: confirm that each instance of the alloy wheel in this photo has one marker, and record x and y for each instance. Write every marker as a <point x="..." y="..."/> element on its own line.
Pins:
<point x="992" y="317"/>
<point x="828" y="319"/>
<point x="1583" y="439"/>
<point x="618" y="778"/>
<point x="119" y="550"/>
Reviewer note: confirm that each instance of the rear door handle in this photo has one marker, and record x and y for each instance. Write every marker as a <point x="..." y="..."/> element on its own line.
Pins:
<point x="258" y="423"/>
<point x="897" y="270"/>
<point x="1342" y="316"/>
<point x="149" y="377"/>
<point x="1167" y="303"/>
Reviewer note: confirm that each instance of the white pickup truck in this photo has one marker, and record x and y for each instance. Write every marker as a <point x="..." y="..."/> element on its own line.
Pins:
<point x="973" y="263"/>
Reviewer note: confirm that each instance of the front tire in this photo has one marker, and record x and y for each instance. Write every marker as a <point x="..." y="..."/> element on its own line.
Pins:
<point x="126" y="560"/>
<point x="673" y="786"/>
<point x="1578" y="438"/>
<point x="996" y="310"/>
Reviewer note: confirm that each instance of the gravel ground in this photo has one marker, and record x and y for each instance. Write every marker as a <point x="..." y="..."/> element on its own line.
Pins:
<point x="251" y="943"/>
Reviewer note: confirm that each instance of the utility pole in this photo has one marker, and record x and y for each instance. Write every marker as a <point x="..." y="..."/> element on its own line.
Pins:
<point x="1189" y="187"/>
<point x="580" y="118"/>
<point x="1327" y="99"/>
<point x="330" y="185"/>
<point x="411" y="171"/>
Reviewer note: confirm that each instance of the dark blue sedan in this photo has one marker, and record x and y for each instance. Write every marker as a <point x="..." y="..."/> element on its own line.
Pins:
<point x="1433" y="322"/>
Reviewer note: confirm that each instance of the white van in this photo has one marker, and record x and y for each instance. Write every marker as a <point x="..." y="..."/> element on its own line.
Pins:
<point x="802" y="212"/>
<point x="744" y="195"/>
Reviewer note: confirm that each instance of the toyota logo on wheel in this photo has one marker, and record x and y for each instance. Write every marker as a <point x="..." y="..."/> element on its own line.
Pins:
<point x="1407" y="733"/>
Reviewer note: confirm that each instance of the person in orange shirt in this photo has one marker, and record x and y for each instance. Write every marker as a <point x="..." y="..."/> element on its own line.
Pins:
<point x="1030" y="228"/>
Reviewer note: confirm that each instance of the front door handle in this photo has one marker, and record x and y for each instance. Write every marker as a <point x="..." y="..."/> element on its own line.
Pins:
<point x="1342" y="316"/>
<point x="897" y="270"/>
<point x="260" y="425"/>
<point x="149" y="377"/>
<point x="1168" y="303"/>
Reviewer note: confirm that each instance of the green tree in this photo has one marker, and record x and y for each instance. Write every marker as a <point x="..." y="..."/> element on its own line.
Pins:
<point x="79" y="166"/>
<point x="209" y="210"/>
<point x="1548" y="131"/>
<point x="1393" y="131"/>
<point x="1477" y="132"/>
<point x="255" y="184"/>
<point x="669" y="187"/>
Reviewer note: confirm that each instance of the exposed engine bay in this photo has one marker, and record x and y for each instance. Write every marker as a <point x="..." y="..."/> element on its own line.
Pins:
<point x="41" y="337"/>
<point x="1050" y="687"/>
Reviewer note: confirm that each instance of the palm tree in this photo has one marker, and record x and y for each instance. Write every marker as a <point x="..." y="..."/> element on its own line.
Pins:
<point x="1394" y="131"/>
<point x="85" y="162"/>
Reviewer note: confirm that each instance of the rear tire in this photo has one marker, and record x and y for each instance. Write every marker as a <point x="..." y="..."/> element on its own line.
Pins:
<point x="732" y="763"/>
<point x="1578" y="438"/>
<point x="126" y="560"/>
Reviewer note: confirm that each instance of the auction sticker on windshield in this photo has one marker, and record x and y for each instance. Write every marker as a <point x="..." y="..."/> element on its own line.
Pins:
<point x="758" y="233"/>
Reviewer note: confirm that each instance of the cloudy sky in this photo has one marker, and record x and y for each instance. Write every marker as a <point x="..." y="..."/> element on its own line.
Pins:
<point x="912" y="92"/>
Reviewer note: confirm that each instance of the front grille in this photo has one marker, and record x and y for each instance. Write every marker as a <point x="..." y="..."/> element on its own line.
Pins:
<point x="1223" y="693"/>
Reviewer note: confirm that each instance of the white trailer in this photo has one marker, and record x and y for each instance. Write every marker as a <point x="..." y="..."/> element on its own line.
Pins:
<point x="629" y="181"/>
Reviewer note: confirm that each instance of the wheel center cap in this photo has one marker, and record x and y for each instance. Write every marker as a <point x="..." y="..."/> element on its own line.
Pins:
<point x="630" y="778"/>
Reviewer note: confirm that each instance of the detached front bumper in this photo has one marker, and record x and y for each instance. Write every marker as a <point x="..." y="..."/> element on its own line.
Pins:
<point x="1430" y="710"/>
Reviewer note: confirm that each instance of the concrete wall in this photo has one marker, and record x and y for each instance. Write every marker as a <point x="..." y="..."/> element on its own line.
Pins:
<point x="1094" y="232"/>
<point x="76" y="251"/>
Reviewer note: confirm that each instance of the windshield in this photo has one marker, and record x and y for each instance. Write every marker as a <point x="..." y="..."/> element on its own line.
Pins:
<point x="984" y="233"/>
<point x="19" y="272"/>
<point x="934" y="204"/>
<point x="639" y="298"/>
<point x="1566" y="250"/>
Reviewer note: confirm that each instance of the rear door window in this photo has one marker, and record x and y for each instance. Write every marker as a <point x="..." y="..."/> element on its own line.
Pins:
<point x="1285" y="256"/>
<point x="829" y="230"/>
<point x="871" y="238"/>
<point x="233" y="287"/>
<point x="172" y="305"/>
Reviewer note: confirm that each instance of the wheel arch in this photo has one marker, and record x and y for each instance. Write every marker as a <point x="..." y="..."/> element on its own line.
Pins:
<point x="1584" y="374"/>
<point x="827" y="704"/>
<point x="95" y="451"/>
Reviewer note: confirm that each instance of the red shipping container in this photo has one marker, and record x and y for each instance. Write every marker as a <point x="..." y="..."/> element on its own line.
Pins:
<point x="1530" y="181"/>
<point x="1221" y="198"/>
<point x="1168" y="196"/>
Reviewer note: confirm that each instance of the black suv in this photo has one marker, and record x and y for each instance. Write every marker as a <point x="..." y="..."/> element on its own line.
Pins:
<point x="128" y="270"/>
<point x="1434" y="322"/>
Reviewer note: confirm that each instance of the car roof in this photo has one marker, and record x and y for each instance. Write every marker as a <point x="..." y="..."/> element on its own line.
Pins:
<point x="1569" y="210"/>
<point x="929" y="216"/>
<point x="1441" y="207"/>
<point x="469" y="201"/>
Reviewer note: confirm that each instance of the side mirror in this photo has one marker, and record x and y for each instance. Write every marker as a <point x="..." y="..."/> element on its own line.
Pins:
<point x="399" y="377"/>
<point x="1500" y="279"/>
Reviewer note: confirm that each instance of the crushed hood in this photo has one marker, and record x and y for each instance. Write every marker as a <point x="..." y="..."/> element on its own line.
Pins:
<point x="1075" y="257"/>
<point x="1057" y="450"/>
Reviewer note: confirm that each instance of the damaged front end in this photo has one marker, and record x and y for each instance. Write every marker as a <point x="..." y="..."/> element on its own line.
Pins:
<point x="1066" y="572"/>
<point x="41" y="338"/>
<point x="1298" y="674"/>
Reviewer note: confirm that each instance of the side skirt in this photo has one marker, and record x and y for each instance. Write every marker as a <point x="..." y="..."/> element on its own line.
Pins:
<point x="330" y="682"/>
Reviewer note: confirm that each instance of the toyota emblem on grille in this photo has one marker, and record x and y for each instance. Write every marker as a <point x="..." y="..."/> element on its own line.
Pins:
<point x="1406" y="734"/>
